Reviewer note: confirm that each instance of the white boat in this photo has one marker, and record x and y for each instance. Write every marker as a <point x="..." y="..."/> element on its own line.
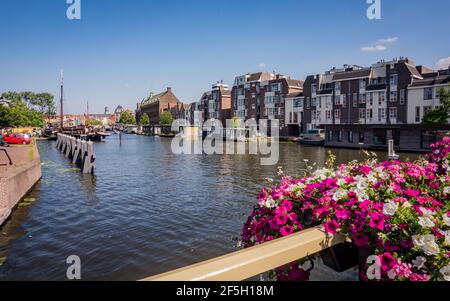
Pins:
<point x="313" y="137"/>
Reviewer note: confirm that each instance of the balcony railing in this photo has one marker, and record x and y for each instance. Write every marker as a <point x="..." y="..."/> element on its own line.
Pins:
<point x="244" y="264"/>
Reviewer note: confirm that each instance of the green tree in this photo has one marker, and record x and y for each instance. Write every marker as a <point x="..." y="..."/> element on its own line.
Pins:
<point x="442" y="114"/>
<point x="127" y="118"/>
<point x="166" y="118"/>
<point x="144" y="120"/>
<point x="236" y="120"/>
<point x="93" y="122"/>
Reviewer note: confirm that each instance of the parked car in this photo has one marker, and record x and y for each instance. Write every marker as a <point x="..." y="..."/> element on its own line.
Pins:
<point x="16" y="139"/>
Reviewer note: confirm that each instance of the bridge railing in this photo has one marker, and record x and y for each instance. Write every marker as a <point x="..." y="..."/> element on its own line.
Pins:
<point x="244" y="264"/>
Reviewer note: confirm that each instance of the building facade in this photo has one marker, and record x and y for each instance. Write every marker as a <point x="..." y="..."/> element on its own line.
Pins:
<point x="262" y="96"/>
<point x="367" y="106"/>
<point x="424" y="94"/>
<point x="156" y="104"/>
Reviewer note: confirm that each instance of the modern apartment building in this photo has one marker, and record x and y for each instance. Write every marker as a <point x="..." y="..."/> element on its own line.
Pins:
<point x="423" y="94"/>
<point x="367" y="106"/>
<point x="216" y="103"/>
<point x="262" y="96"/>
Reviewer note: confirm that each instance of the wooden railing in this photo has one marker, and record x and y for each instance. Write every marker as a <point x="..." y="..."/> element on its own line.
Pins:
<point x="244" y="264"/>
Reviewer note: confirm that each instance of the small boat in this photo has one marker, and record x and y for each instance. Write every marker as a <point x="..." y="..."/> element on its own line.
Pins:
<point x="314" y="137"/>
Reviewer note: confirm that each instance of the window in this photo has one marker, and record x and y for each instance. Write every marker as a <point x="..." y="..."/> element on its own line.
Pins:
<point x="392" y="113"/>
<point x="362" y="84"/>
<point x="382" y="96"/>
<point x="340" y="136"/>
<point x="337" y="114"/>
<point x="319" y="102"/>
<point x="355" y="100"/>
<point x="370" y="99"/>
<point x="369" y="113"/>
<point x="402" y="96"/>
<point x="330" y="136"/>
<point x="350" y="136"/>
<point x="337" y="87"/>
<point x="381" y="114"/>
<point x="290" y="117"/>
<point x="427" y="109"/>
<point x="438" y="94"/>
<point x="313" y="102"/>
<point x="362" y="100"/>
<point x="295" y="117"/>
<point x="307" y="103"/>
<point x="361" y="137"/>
<point x="337" y="100"/>
<point x="417" y="114"/>
<point x="313" y="115"/>
<point x="314" y="88"/>
<point x="428" y="93"/>
<point x="362" y="113"/>
<point x="394" y="79"/>
<point x="328" y="115"/>
<point x="275" y="87"/>
<point x="393" y="97"/>
<point x="344" y="99"/>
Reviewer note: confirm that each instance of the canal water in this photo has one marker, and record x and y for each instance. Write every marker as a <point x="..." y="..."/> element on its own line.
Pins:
<point x="146" y="210"/>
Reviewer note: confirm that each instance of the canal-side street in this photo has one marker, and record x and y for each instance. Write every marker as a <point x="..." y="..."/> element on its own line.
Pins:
<point x="145" y="211"/>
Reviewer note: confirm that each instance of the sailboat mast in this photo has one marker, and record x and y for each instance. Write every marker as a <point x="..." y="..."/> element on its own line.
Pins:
<point x="62" y="100"/>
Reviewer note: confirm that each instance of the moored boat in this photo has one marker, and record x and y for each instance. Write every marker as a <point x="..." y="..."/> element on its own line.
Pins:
<point x="314" y="137"/>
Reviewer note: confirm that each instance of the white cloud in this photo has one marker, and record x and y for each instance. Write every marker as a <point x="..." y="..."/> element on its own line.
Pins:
<point x="262" y="66"/>
<point x="443" y="63"/>
<point x="376" y="48"/>
<point x="380" y="45"/>
<point x="388" y="40"/>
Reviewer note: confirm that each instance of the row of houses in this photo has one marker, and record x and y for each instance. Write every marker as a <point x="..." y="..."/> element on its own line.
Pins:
<point x="355" y="105"/>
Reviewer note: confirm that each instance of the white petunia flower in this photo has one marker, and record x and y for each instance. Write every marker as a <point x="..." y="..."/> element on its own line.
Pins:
<point x="445" y="271"/>
<point x="270" y="203"/>
<point x="447" y="238"/>
<point x="407" y="204"/>
<point x="419" y="262"/>
<point x="339" y="194"/>
<point x="446" y="219"/>
<point x="421" y="240"/>
<point x="427" y="213"/>
<point x="447" y="190"/>
<point x="390" y="208"/>
<point x="426" y="222"/>
<point x="430" y="248"/>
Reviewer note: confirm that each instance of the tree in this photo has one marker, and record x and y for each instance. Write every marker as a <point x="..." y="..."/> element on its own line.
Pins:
<point x="93" y="122"/>
<point x="42" y="102"/>
<point x="236" y="121"/>
<point x="442" y="114"/>
<point x="127" y="118"/>
<point x="145" y="120"/>
<point x="166" y="118"/>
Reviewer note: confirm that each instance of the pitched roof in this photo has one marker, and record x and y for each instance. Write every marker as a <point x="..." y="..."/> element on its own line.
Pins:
<point x="255" y="76"/>
<point x="439" y="80"/>
<point x="413" y="70"/>
<point x="346" y="75"/>
<point x="295" y="82"/>
<point x="294" y="95"/>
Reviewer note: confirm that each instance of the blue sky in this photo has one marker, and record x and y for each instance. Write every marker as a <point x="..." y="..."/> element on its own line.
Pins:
<point x="121" y="50"/>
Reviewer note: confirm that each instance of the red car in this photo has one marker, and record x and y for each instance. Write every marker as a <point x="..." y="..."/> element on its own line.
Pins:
<point x="16" y="139"/>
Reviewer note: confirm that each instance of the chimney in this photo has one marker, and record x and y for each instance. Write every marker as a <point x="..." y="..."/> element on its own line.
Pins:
<point x="169" y="89"/>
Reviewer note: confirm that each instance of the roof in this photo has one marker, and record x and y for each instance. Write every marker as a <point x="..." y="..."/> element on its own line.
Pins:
<point x="153" y="98"/>
<point x="346" y="75"/>
<point x="255" y="76"/>
<point x="295" y="82"/>
<point x="413" y="70"/>
<point x="294" y="95"/>
<point x="439" y="80"/>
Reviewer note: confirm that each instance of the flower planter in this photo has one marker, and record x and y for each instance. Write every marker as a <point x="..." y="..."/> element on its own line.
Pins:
<point x="341" y="257"/>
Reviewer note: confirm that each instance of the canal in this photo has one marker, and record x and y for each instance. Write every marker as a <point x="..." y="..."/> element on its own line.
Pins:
<point x="145" y="211"/>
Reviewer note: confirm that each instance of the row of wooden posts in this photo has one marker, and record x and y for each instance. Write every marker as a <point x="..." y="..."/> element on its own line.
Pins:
<point x="81" y="152"/>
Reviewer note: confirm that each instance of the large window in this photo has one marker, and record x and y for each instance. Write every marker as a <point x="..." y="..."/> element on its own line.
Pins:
<point x="381" y="114"/>
<point x="362" y="113"/>
<point x="350" y="136"/>
<point x="275" y="87"/>
<point x="418" y="114"/>
<point x="393" y="113"/>
<point x="402" y="96"/>
<point x="393" y="97"/>
<point x="362" y="84"/>
<point x="394" y="80"/>
<point x="337" y="114"/>
<point x="428" y="93"/>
